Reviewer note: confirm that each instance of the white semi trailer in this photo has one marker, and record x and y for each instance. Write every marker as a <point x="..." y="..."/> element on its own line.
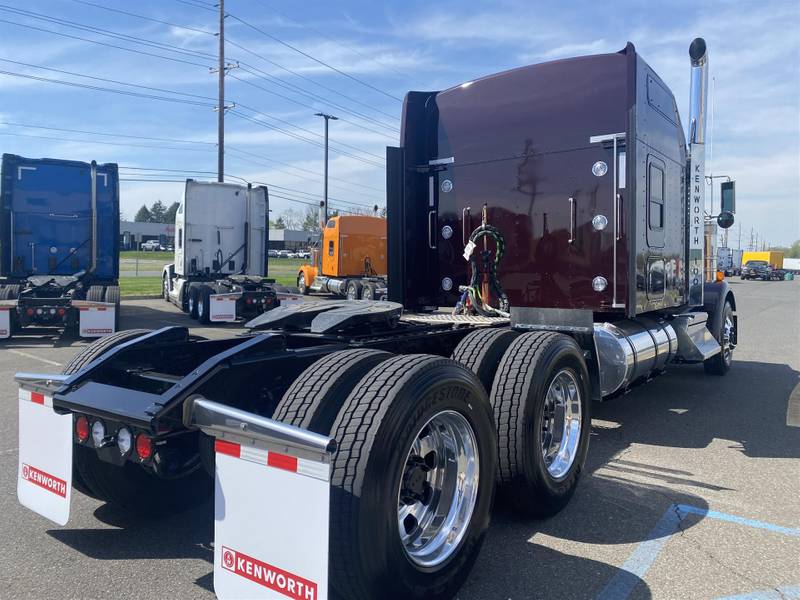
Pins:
<point x="221" y="235"/>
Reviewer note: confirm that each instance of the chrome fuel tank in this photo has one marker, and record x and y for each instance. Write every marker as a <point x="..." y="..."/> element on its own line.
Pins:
<point x="632" y="349"/>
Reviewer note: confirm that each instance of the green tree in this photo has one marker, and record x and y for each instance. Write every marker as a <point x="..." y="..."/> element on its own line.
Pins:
<point x="169" y="215"/>
<point x="157" y="212"/>
<point x="311" y="222"/>
<point x="280" y="224"/>
<point x="794" y="251"/>
<point x="143" y="215"/>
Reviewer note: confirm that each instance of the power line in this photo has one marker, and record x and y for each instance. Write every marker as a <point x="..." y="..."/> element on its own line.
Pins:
<point x="304" y="139"/>
<point x="332" y="39"/>
<point x="105" y="32"/>
<point x="104" y="89"/>
<point x="106" y="44"/>
<point x="146" y="18"/>
<point x="123" y="135"/>
<point x="310" y="80"/>
<point x="191" y="53"/>
<point x="103" y="79"/>
<point x="315" y="59"/>
<point x="209" y="146"/>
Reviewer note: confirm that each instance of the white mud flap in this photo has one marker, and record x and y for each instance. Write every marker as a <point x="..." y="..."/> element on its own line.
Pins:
<point x="222" y="308"/>
<point x="271" y="511"/>
<point x="287" y="298"/>
<point x="44" y="477"/>
<point x="5" y="321"/>
<point x="95" y="319"/>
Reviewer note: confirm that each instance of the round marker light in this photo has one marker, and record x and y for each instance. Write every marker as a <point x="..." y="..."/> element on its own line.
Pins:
<point x="249" y="300"/>
<point x="61" y="312"/>
<point x="599" y="283"/>
<point x="82" y="428"/>
<point x="124" y="440"/>
<point x="599" y="222"/>
<point x="29" y="312"/>
<point x="599" y="168"/>
<point x="144" y="446"/>
<point x="98" y="433"/>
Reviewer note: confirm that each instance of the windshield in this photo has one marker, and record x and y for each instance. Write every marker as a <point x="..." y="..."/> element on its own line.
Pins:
<point x="756" y="263"/>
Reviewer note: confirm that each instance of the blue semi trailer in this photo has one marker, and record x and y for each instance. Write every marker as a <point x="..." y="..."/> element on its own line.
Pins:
<point x="59" y="245"/>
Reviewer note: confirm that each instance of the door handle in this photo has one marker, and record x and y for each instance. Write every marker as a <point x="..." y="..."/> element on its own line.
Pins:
<point x="431" y="240"/>
<point x="571" y="220"/>
<point x="618" y="224"/>
<point x="465" y="224"/>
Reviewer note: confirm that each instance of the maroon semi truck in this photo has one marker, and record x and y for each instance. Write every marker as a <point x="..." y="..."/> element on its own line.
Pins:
<point x="546" y="239"/>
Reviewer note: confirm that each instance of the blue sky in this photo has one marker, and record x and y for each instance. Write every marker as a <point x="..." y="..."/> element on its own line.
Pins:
<point x="389" y="48"/>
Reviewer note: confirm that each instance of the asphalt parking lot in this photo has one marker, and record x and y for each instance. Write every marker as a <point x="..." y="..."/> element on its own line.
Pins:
<point x="691" y="490"/>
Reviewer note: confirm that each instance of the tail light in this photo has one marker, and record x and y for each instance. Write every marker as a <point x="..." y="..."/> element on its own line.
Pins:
<point x="61" y="312"/>
<point x="249" y="300"/>
<point x="29" y="312"/>
<point x="82" y="428"/>
<point x="144" y="446"/>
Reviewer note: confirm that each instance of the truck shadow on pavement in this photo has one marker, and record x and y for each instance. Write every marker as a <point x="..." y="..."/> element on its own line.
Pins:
<point x="619" y="501"/>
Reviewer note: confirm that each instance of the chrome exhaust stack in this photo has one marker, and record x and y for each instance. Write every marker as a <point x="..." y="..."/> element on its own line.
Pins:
<point x="696" y="171"/>
<point x="698" y="91"/>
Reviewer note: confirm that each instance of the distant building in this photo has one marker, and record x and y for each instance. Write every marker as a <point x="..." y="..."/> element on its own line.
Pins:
<point x="132" y="234"/>
<point x="290" y="239"/>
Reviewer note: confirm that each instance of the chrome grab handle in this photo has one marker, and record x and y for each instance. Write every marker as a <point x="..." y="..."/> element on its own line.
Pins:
<point x="571" y="220"/>
<point x="465" y="218"/>
<point x="618" y="224"/>
<point x="63" y="215"/>
<point x="33" y="256"/>
<point x="431" y="244"/>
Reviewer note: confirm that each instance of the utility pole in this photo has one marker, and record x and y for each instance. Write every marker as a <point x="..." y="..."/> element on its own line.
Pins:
<point x="327" y="118"/>
<point x="221" y="105"/>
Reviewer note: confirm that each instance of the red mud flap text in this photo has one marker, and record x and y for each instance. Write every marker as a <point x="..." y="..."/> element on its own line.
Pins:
<point x="44" y="480"/>
<point x="273" y="578"/>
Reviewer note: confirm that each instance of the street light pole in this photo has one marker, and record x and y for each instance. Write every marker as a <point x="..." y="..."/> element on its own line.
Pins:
<point x="221" y="105"/>
<point x="327" y="118"/>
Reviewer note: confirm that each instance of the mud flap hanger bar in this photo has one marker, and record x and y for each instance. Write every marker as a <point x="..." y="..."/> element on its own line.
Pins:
<point x="44" y="383"/>
<point x="225" y="422"/>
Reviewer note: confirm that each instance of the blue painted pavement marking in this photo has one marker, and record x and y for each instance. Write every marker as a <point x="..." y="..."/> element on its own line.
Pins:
<point x="644" y="555"/>
<point x="791" y="592"/>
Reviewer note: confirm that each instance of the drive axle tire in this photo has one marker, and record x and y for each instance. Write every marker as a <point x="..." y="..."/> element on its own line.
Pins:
<point x="540" y="397"/>
<point x="412" y="481"/>
<point x="353" y="290"/>
<point x="95" y="293"/>
<point x="369" y="291"/>
<point x="204" y="305"/>
<point x="112" y="297"/>
<point x="80" y="360"/>
<point x="192" y="302"/>
<point x="314" y="399"/>
<point x="720" y="364"/>
<point x="481" y="351"/>
<point x="301" y="284"/>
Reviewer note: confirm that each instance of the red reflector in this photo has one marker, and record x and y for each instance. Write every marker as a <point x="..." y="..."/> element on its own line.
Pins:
<point x="249" y="300"/>
<point x="82" y="428"/>
<point x="37" y="398"/>
<point x="61" y="312"/>
<point x="282" y="461"/>
<point x="144" y="446"/>
<point x="29" y="312"/>
<point x="228" y="448"/>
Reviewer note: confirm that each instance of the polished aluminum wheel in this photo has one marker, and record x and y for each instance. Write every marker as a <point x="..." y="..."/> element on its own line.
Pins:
<point x="191" y="304"/>
<point x="727" y="340"/>
<point x="438" y="489"/>
<point x="561" y="423"/>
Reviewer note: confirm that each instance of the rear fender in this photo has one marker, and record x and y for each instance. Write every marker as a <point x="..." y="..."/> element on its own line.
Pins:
<point x="309" y="273"/>
<point x="715" y="294"/>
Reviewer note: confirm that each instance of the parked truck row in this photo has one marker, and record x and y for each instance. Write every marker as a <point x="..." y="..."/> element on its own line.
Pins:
<point x="357" y="446"/>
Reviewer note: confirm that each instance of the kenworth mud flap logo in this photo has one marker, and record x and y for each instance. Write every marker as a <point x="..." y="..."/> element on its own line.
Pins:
<point x="273" y="578"/>
<point x="44" y="480"/>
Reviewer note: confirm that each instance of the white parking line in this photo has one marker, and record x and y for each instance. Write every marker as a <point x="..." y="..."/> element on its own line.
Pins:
<point x="34" y="357"/>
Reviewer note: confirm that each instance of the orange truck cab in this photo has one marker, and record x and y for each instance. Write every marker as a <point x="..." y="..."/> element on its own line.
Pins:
<point x="350" y="260"/>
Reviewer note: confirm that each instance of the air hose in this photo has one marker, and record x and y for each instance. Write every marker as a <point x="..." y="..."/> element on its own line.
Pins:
<point x="472" y="300"/>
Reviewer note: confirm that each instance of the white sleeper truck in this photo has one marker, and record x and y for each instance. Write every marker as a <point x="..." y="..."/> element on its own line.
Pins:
<point x="221" y="235"/>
